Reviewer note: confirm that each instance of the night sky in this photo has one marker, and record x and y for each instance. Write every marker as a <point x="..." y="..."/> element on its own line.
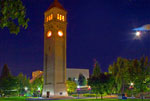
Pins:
<point x="97" y="29"/>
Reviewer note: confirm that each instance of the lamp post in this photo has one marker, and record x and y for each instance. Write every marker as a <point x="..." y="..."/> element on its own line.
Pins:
<point x="26" y="89"/>
<point x="131" y="87"/>
<point x="78" y="90"/>
<point x="39" y="89"/>
<point x="89" y="88"/>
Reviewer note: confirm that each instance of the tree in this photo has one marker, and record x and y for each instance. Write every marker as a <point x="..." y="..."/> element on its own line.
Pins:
<point x="99" y="84"/>
<point x="71" y="86"/>
<point x="96" y="70"/>
<point x="13" y="15"/>
<point x="81" y="80"/>
<point x="142" y="75"/>
<point x="8" y="83"/>
<point x="5" y="72"/>
<point x="37" y="86"/>
<point x="23" y="82"/>
<point x="119" y="71"/>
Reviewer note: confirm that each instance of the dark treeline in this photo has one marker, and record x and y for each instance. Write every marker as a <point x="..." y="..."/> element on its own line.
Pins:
<point x="18" y="85"/>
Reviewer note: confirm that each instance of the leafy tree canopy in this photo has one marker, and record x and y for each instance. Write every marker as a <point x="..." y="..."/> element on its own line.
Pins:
<point x="13" y="15"/>
<point x="71" y="86"/>
<point x="81" y="80"/>
<point x="5" y="72"/>
<point x="96" y="70"/>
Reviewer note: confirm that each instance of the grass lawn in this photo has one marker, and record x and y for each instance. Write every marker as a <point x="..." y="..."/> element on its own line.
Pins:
<point x="24" y="99"/>
<point x="13" y="99"/>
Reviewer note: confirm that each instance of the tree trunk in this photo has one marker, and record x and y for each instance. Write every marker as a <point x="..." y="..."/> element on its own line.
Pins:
<point x="122" y="88"/>
<point x="101" y="96"/>
<point x="96" y="95"/>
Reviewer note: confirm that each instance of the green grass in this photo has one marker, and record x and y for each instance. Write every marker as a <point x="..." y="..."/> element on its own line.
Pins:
<point x="24" y="99"/>
<point x="13" y="99"/>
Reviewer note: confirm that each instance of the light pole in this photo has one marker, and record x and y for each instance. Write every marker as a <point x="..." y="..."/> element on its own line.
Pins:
<point x="78" y="90"/>
<point x="131" y="87"/>
<point x="26" y="89"/>
<point x="39" y="89"/>
<point x="89" y="88"/>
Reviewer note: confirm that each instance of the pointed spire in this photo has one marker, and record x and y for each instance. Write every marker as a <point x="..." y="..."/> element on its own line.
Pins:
<point x="57" y="4"/>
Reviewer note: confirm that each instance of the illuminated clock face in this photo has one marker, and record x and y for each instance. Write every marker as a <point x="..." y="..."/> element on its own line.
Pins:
<point x="49" y="34"/>
<point x="60" y="33"/>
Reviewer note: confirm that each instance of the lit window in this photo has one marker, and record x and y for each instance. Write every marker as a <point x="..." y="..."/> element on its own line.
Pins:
<point x="63" y="18"/>
<point x="60" y="33"/>
<point x="49" y="34"/>
<point x="51" y="16"/>
<point x="58" y="16"/>
<point x="47" y="19"/>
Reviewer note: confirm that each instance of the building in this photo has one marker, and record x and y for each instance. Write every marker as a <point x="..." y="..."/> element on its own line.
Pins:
<point x="55" y="26"/>
<point x="36" y="73"/>
<point x="71" y="73"/>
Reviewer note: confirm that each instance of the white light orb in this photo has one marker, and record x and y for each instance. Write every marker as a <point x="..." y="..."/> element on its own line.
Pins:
<point x="138" y="34"/>
<point x="26" y="88"/>
<point x="132" y="84"/>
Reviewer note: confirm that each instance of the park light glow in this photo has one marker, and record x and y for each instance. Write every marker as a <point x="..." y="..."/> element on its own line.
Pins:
<point x="26" y="88"/>
<point x="132" y="84"/>
<point x="78" y="86"/>
<point x="89" y="87"/>
<point x="39" y="88"/>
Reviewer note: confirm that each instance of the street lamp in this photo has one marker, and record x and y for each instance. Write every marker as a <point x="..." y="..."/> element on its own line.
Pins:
<point x="132" y="84"/>
<point x="131" y="87"/>
<point x="25" y="88"/>
<point x="89" y="88"/>
<point x="78" y="90"/>
<point x="39" y="89"/>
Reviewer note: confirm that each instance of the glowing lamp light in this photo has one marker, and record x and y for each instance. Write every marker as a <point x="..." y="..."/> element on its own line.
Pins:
<point x="89" y="88"/>
<point x="132" y="84"/>
<point x="60" y="33"/>
<point x="26" y="88"/>
<point x="49" y="34"/>
<point x="39" y="88"/>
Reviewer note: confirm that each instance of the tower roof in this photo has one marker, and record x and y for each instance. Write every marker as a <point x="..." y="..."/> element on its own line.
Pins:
<point x="57" y="4"/>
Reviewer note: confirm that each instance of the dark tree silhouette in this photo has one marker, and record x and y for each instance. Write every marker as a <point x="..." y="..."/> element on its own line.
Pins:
<point x="5" y="72"/>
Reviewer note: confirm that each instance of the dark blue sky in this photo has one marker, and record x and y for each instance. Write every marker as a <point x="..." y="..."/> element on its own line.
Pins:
<point x="97" y="29"/>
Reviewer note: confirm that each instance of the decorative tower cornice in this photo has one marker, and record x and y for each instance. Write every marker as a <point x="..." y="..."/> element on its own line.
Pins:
<point x="57" y="4"/>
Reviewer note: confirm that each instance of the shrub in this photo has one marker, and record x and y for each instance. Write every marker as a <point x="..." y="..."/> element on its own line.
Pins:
<point x="74" y="95"/>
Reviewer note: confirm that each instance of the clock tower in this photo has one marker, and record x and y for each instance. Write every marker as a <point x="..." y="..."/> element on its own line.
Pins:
<point x="55" y="25"/>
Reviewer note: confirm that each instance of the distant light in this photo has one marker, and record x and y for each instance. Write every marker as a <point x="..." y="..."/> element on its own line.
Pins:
<point x="89" y="88"/>
<point x="39" y="88"/>
<point x="132" y="84"/>
<point x="78" y="86"/>
<point x="76" y="79"/>
<point x="26" y="88"/>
